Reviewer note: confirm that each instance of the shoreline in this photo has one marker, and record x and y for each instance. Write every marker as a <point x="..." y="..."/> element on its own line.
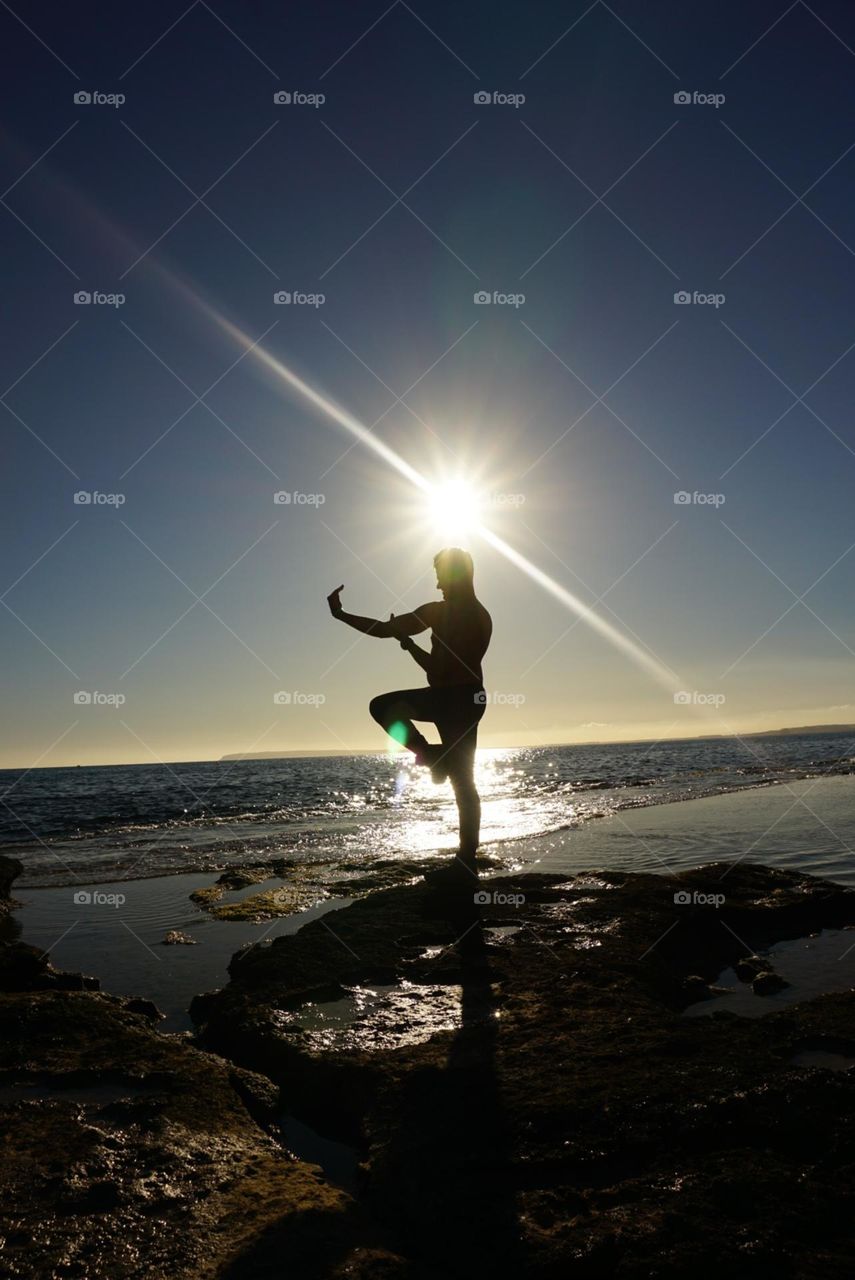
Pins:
<point x="512" y="844"/>
<point x="123" y="946"/>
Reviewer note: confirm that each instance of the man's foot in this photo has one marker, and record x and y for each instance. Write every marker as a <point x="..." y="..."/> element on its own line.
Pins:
<point x="433" y="758"/>
<point x="460" y="872"/>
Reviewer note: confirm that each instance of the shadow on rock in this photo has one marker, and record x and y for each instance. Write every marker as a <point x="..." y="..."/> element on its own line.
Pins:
<point x="445" y="1176"/>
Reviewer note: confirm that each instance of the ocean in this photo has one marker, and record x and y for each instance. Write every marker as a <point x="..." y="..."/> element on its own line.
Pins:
<point x="122" y="822"/>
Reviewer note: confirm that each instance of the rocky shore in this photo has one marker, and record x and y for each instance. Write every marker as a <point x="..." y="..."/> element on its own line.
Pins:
<point x="516" y="1076"/>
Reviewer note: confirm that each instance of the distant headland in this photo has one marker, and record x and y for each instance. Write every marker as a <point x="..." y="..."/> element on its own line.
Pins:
<point x="369" y="751"/>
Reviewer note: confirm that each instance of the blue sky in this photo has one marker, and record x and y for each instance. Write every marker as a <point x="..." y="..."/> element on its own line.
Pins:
<point x="397" y="199"/>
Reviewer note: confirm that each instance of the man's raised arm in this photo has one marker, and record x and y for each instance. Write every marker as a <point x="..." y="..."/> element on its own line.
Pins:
<point x="407" y="624"/>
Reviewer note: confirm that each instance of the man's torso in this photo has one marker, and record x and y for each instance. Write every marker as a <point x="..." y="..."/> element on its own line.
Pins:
<point x="460" y="634"/>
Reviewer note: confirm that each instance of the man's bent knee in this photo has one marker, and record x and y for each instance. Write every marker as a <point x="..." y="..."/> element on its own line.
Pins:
<point x="386" y="708"/>
<point x="378" y="708"/>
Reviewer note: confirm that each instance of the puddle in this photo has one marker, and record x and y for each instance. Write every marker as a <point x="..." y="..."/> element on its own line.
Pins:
<point x="823" y="1058"/>
<point x="338" y="1161"/>
<point x="378" y="1017"/>
<point x="122" y="944"/>
<point x="812" y="966"/>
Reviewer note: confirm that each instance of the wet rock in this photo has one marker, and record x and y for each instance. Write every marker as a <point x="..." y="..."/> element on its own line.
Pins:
<point x="259" y="1095"/>
<point x="748" y="968"/>
<point x="10" y="869"/>
<point x="22" y="967"/>
<point x="99" y="1197"/>
<point x="207" y="896"/>
<point x="148" y="1009"/>
<point x="272" y="903"/>
<point x="696" y="987"/>
<point x="767" y="983"/>
<point x="242" y="877"/>
<point x="130" y="1153"/>
<point x="567" y="1108"/>
<point x="27" y="968"/>
<point x="295" y="895"/>
<point x="176" y="938"/>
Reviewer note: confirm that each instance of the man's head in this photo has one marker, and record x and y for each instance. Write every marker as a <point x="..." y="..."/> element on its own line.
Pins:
<point x="454" y="570"/>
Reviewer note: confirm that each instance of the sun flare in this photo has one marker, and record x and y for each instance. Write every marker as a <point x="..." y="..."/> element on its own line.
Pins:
<point x="454" y="503"/>
<point x="454" y="510"/>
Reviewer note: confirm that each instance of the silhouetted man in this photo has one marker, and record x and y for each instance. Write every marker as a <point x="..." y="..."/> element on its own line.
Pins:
<point x="454" y="700"/>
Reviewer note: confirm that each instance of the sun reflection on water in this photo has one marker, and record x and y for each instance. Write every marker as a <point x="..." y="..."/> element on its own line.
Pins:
<point x="510" y="808"/>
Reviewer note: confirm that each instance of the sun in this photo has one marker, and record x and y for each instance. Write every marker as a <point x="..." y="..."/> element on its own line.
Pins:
<point x="453" y="509"/>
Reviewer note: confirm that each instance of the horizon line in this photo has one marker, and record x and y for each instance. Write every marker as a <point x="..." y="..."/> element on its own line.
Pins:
<point x="308" y="753"/>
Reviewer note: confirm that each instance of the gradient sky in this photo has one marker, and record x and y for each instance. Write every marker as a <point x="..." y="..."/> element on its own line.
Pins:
<point x="398" y="199"/>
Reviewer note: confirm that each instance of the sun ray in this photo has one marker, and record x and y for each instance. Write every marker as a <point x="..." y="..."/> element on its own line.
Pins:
<point x="451" y="501"/>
